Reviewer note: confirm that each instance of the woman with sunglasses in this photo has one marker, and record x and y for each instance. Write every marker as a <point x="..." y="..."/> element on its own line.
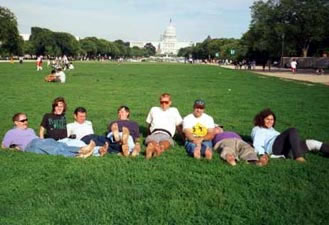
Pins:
<point x="267" y="140"/>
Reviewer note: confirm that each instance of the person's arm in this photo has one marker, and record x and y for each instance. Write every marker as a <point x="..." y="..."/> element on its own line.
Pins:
<point x="210" y="134"/>
<point x="42" y="132"/>
<point x="258" y="141"/>
<point x="190" y="137"/>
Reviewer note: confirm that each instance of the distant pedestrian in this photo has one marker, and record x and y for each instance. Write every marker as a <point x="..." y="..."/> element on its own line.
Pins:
<point x="293" y="66"/>
<point x="39" y="63"/>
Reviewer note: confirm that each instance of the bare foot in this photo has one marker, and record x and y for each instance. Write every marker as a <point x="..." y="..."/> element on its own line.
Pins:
<point x="300" y="159"/>
<point x="230" y="159"/>
<point x="197" y="152"/>
<point x="136" y="150"/>
<point x="125" y="150"/>
<point x="115" y="131"/>
<point x="125" y="135"/>
<point x="208" y="154"/>
<point x="103" y="150"/>
<point x="263" y="160"/>
<point x="149" y="151"/>
<point x="158" y="150"/>
<point x="87" y="151"/>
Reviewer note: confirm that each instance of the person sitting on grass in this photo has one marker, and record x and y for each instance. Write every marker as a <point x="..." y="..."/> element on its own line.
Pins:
<point x="125" y="132"/>
<point x="51" y="77"/>
<point x="267" y="140"/>
<point x="56" y="76"/>
<point x="53" y="125"/>
<point x="23" y="138"/>
<point x="198" y="128"/>
<point x="232" y="148"/>
<point x="162" y="123"/>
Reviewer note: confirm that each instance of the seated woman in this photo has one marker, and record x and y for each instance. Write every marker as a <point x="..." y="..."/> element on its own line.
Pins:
<point x="267" y="140"/>
<point x="53" y="125"/>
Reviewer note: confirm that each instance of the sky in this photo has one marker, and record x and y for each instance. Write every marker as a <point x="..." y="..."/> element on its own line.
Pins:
<point x="134" y="20"/>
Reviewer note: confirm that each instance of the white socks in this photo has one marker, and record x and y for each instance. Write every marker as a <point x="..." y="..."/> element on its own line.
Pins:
<point x="313" y="145"/>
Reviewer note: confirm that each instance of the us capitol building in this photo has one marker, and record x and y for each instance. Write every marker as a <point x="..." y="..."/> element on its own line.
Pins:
<point x="168" y="44"/>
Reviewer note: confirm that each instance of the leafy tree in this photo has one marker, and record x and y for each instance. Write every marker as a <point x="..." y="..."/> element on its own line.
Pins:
<point x="150" y="50"/>
<point x="295" y="23"/>
<point x="10" y="41"/>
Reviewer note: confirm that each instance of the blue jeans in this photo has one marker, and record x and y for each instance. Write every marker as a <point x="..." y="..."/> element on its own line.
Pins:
<point x="100" y="141"/>
<point x="51" y="147"/>
<point x="190" y="146"/>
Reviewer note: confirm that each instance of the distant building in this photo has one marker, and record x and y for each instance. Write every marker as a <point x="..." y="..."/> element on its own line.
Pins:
<point x="168" y="44"/>
<point x="25" y="37"/>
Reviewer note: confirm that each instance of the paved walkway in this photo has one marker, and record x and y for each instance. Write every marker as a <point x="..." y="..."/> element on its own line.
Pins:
<point x="283" y="73"/>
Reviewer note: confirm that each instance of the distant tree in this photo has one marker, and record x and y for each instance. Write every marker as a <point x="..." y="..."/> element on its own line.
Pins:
<point x="10" y="41"/>
<point x="43" y="41"/>
<point x="150" y="50"/>
<point x="66" y="43"/>
<point x="296" y="23"/>
<point x="89" y="46"/>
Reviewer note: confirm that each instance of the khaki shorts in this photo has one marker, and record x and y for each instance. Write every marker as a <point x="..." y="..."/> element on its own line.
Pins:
<point x="158" y="137"/>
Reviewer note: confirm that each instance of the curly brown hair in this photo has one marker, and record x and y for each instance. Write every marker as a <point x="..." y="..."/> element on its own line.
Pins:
<point x="56" y="101"/>
<point x="259" y="118"/>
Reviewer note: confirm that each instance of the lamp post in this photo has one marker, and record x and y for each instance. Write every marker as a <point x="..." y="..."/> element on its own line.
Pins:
<point x="282" y="49"/>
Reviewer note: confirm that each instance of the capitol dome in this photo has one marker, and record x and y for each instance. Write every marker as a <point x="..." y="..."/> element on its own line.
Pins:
<point x="170" y="31"/>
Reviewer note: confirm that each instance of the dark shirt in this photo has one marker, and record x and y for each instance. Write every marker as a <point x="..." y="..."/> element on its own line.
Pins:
<point x="55" y="126"/>
<point x="131" y="125"/>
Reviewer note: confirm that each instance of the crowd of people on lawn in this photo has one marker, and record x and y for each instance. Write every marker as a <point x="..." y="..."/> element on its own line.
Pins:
<point x="202" y="136"/>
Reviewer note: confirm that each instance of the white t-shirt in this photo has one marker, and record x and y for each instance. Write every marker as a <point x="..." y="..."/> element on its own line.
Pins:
<point x="293" y="64"/>
<point x="167" y="120"/>
<point x="80" y="130"/>
<point x="61" y="76"/>
<point x="200" y="125"/>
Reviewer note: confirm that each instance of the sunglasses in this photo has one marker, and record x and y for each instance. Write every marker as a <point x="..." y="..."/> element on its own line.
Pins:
<point x="24" y="120"/>
<point x="164" y="102"/>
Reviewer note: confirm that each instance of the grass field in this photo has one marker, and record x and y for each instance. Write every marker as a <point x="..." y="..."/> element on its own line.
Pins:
<point x="174" y="188"/>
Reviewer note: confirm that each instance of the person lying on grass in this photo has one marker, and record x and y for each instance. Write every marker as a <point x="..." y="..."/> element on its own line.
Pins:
<point x="267" y="140"/>
<point x="232" y="148"/>
<point x="125" y="132"/>
<point x="23" y="138"/>
<point x="82" y="129"/>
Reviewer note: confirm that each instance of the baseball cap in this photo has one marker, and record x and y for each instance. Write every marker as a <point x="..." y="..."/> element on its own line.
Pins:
<point x="199" y="103"/>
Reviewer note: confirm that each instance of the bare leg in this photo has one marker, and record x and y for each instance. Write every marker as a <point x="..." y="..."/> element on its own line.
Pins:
<point x="103" y="150"/>
<point x="150" y="149"/>
<point x="136" y="150"/>
<point x="125" y="135"/>
<point x="87" y="150"/>
<point x="115" y="131"/>
<point x="197" y="151"/>
<point x="208" y="154"/>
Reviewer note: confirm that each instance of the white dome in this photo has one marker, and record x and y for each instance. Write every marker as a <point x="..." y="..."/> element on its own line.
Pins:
<point x="170" y="31"/>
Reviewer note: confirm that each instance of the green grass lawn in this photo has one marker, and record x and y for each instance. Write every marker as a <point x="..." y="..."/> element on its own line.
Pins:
<point x="174" y="188"/>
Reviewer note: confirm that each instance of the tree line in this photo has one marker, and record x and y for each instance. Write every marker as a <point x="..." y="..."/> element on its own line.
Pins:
<point x="277" y="28"/>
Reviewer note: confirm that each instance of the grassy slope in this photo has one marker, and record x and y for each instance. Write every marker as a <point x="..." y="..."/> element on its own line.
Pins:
<point x="172" y="189"/>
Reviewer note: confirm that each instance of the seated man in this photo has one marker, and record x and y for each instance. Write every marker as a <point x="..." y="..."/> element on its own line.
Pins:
<point x="125" y="132"/>
<point x="23" y="138"/>
<point x="231" y="148"/>
<point x="198" y="128"/>
<point x="162" y="122"/>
